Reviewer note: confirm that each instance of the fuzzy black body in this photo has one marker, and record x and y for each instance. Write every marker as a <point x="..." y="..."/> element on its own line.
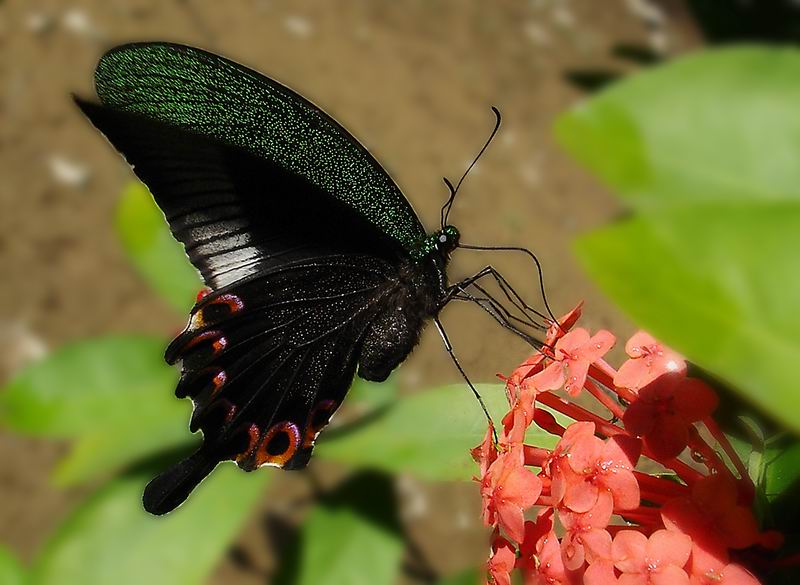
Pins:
<point x="419" y="295"/>
<point x="316" y="264"/>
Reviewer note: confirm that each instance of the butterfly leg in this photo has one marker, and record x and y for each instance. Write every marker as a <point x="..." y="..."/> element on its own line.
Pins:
<point x="533" y="316"/>
<point x="530" y="255"/>
<point x="449" y="348"/>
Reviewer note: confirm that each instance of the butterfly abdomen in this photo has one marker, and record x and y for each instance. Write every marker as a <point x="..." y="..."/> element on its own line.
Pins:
<point x="396" y="329"/>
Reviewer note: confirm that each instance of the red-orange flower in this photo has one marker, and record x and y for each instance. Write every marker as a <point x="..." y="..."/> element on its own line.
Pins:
<point x="508" y="489"/>
<point x="540" y="556"/>
<point x="658" y="560"/>
<point x="534" y="364"/>
<point x="592" y="466"/>
<point x="716" y="572"/>
<point x="586" y="537"/>
<point x="664" y="410"/>
<point x="485" y="453"/>
<point x="712" y="516"/>
<point x="573" y="355"/>
<point x="649" y="360"/>
<point x="501" y="562"/>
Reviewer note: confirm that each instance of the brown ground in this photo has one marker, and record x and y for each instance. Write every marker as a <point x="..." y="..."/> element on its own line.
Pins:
<point x="413" y="79"/>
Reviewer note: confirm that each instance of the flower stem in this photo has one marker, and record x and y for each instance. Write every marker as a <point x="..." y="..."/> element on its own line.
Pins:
<point x="612" y="405"/>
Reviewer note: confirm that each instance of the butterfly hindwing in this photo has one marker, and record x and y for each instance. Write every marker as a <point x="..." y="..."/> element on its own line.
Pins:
<point x="268" y="361"/>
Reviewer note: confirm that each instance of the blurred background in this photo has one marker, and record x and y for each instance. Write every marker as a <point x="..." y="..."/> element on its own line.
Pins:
<point x="414" y="81"/>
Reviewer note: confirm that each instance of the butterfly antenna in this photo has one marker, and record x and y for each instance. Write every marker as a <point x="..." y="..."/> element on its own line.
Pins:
<point x="449" y="348"/>
<point x="453" y="190"/>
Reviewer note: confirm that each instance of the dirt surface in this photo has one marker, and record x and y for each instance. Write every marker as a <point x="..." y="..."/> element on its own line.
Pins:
<point x="414" y="80"/>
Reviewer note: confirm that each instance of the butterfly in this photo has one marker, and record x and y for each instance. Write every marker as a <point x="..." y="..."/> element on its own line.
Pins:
<point x="317" y="267"/>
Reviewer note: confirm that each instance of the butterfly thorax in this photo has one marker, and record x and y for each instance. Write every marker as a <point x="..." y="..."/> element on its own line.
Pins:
<point x="418" y="294"/>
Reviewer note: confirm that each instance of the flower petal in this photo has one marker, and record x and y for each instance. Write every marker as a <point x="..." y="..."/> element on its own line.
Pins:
<point x="639" y="417"/>
<point x="511" y="520"/>
<point x="628" y="550"/>
<point x="669" y="575"/>
<point x="636" y="344"/>
<point x="668" y="437"/>
<point x="623" y="487"/>
<point x="551" y="378"/>
<point x="667" y="547"/>
<point x="695" y="400"/>
<point x="734" y="574"/>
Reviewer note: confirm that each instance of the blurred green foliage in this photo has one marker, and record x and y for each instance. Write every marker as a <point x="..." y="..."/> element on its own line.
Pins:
<point x="703" y="153"/>
<point x="110" y="539"/>
<point x="157" y="256"/>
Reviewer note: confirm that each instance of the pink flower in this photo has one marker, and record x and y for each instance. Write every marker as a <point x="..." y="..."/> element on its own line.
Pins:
<point x="485" y="453"/>
<point x="593" y="466"/>
<point x="658" y="560"/>
<point x="540" y="556"/>
<point x="586" y="538"/>
<point x="508" y="489"/>
<point x="534" y="364"/>
<point x="712" y="515"/>
<point x="573" y="355"/>
<point x="649" y="360"/>
<point x="664" y="410"/>
<point x="501" y="562"/>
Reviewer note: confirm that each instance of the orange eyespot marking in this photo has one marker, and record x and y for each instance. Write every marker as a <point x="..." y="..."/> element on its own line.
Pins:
<point x="233" y="302"/>
<point x="193" y="385"/>
<point x="218" y="380"/>
<point x="203" y="293"/>
<point x="216" y="310"/>
<point x="317" y="419"/>
<point x="279" y="445"/>
<point x="216" y="340"/>
<point x="253" y="435"/>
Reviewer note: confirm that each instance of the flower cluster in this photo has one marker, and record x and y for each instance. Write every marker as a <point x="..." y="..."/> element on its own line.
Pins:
<point x="613" y="502"/>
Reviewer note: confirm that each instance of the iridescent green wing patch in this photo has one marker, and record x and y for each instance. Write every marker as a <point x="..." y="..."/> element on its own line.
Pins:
<point x="210" y="95"/>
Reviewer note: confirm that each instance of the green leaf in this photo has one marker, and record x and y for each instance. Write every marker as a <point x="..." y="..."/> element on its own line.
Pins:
<point x="109" y="538"/>
<point x="11" y="571"/>
<point x="428" y="434"/>
<point x="719" y="285"/>
<point x="114" y="395"/>
<point x="158" y="257"/>
<point x="783" y="473"/>
<point x="352" y="537"/>
<point x="718" y="126"/>
<point x="372" y="395"/>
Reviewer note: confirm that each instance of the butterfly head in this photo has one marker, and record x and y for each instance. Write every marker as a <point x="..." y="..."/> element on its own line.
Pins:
<point x="447" y="239"/>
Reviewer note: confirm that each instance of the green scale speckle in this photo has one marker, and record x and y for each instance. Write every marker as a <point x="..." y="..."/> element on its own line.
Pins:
<point x="210" y="95"/>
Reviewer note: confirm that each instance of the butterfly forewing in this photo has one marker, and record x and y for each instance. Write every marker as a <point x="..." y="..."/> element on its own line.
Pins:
<point x="236" y="214"/>
<point x="210" y="95"/>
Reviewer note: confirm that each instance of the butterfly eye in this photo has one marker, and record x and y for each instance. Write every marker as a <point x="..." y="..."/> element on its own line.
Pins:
<point x="278" y="446"/>
<point x="319" y="417"/>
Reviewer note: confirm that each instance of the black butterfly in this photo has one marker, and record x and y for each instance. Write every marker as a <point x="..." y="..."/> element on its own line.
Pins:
<point x="317" y="264"/>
